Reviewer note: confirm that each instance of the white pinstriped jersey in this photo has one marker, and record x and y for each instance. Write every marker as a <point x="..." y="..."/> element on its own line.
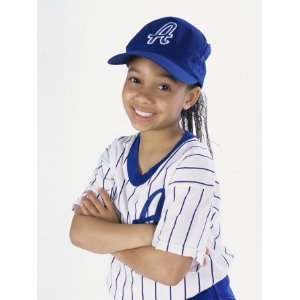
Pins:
<point x="181" y="195"/>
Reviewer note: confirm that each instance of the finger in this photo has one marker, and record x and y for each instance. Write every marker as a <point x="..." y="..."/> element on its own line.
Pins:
<point x="105" y="197"/>
<point x="84" y="204"/>
<point x="78" y="211"/>
<point x="90" y="207"/>
<point x="84" y="210"/>
<point x="93" y="198"/>
<point x="90" y="195"/>
<point x="96" y="203"/>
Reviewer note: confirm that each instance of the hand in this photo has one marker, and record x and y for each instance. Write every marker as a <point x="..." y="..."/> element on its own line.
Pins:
<point x="91" y="206"/>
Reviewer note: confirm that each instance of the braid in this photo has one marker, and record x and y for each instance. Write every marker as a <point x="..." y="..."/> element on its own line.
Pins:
<point x="198" y="114"/>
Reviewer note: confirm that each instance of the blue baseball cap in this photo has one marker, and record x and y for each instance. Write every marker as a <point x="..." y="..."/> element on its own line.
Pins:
<point x="174" y="44"/>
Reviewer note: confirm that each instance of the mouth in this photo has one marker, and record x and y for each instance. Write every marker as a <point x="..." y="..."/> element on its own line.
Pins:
<point x="143" y="115"/>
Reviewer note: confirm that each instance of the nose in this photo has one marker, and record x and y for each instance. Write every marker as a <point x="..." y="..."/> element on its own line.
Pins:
<point x="144" y="97"/>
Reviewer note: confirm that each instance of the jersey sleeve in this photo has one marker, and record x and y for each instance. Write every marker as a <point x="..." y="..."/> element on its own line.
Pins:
<point x="102" y="176"/>
<point x="184" y="225"/>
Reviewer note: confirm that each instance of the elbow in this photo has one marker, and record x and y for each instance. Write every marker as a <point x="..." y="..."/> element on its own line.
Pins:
<point x="75" y="232"/>
<point x="80" y="237"/>
<point x="74" y="237"/>
<point x="170" y="280"/>
<point x="178" y="270"/>
<point x="174" y="280"/>
<point x="171" y="277"/>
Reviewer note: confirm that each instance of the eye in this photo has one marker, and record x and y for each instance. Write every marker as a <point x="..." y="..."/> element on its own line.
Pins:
<point x="133" y="79"/>
<point x="166" y="87"/>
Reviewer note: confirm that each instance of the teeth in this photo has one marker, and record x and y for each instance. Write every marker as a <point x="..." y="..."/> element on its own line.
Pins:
<point x="143" y="114"/>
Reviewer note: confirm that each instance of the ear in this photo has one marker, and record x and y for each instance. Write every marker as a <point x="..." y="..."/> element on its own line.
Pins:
<point x="191" y="97"/>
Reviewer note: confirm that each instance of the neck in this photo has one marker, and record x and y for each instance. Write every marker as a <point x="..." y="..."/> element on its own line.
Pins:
<point x="159" y="140"/>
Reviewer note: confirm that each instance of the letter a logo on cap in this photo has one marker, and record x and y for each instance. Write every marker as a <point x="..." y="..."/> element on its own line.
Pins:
<point x="163" y="34"/>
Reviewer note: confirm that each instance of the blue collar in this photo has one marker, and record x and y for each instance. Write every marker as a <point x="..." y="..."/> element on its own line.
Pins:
<point x="133" y="165"/>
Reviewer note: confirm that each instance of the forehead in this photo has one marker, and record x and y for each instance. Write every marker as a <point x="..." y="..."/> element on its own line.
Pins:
<point x="140" y="64"/>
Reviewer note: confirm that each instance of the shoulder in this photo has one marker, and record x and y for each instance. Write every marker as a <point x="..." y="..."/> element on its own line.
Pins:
<point x="122" y="141"/>
<point x="195" y="164"/>
<point x="195" y="151"/>
<point x="120" y="144"/>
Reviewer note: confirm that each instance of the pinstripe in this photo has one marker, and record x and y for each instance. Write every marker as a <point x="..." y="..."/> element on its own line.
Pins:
<point x="211" y="269"/>
<point x="158" y="237"/>
<point x="124" y="282"/>
<point x="203" y="228"/>
<point x="117" y="283"/>
<point x="111" y="192"/>
<point x="216" y="208"/>
<point x="177" y="217"/>
<point x="212" y="216"/>
<point x="226" y="260"/>
<point x="196" y="154"/>
<point x="115" y="193"/>
<point x="121" y="137"/>
<point x="142" y="287"/>
<point x="120" y="157"/>
<point x="195" y="168"/>
<point x="93" y="181"/>
<point x="131" y="285"/>
<point x="199" y="282"/>
<point x="105" y="177"/>
<point x="187" y="234"/>
<point x="191" y="181"/>
<point x="184" y="281"/>
<point x="217" y="236"/>
<point x="112" y="261"/>
<point x="120" y="193"/>
<point x="127" y="217"/>
<point x="100" y="165"/>
<point x="216" y="196"/>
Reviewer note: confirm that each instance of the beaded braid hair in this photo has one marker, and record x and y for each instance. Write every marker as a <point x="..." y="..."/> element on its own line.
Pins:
<point x="196" y="116"/>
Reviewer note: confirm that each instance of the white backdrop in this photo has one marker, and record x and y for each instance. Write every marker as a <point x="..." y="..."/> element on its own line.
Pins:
<point x="80" y="112"/>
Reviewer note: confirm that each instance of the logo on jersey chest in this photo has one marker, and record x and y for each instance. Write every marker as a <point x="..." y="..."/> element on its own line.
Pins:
<point x="153" y="218"/>
<point x="163" y="34"/>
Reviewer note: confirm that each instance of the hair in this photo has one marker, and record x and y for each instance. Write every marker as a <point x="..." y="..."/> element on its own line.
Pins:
<point x="196" y="116"/>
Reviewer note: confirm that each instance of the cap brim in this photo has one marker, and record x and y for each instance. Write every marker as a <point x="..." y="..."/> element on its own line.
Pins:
<point x="174" y="70"/>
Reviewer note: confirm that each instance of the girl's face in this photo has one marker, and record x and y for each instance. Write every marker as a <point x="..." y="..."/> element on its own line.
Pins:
<point x="156" y="95"/>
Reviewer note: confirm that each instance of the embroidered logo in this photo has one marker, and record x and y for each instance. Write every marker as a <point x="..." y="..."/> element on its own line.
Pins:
<point x="164" y="33"/>
<point x="145" y="211"/>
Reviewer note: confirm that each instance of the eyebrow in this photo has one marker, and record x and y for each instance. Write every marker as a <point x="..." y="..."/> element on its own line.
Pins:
<point x="161" y="74"/>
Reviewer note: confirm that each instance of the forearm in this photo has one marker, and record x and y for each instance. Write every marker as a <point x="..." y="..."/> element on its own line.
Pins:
<point x="152" y="263"/>
<point x="100" y="236"/>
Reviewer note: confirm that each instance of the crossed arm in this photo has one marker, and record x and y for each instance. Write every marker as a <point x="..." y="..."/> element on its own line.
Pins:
<point x="131" y="244"/>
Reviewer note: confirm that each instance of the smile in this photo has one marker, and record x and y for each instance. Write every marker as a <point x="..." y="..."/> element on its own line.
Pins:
<point x="141" y="115"/>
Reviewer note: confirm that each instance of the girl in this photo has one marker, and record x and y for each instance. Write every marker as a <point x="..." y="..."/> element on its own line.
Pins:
<point x="153" y="201"/>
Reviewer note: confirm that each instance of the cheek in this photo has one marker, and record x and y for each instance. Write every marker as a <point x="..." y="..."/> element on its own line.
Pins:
<point x="173" y="105"/>
<point x="127" y="96"/>
<point x="127" y="93"/>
